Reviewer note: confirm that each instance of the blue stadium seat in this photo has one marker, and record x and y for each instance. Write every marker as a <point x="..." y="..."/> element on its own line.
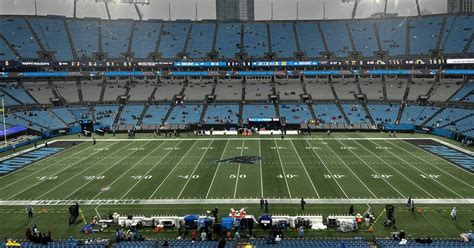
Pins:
<point x="19" y="93"/>
<point x="200" y="41"/>
<point x="337" y="37"/>
<point x="228" y="39"/>
<point x="449" y="115"/>
<point x="173" y="38"/>
<point x="105" y="114"/>
<point x="155" y="114"/>
<point x="458" y="30"/>
<point x="384" y="113"/>
<point x="310" y="39"/>
<point x="52" y="34"/>
<point x="392" y="34"/>
<point x="131" y="114"/>
<point x="115" y="37"/>
<point x="145" y="38"/>
<point x="258" y="111"/>
<point x="16" y="31"/>
<point x="222" y="114"/>
<point x="424" y="32"/>
<point x="185" y="114"/>
<point x="255" y="39"/>
<point x="328" y="113"/>
<point x="355" y="113"/>
<point x="65" y="115"/>
<point x="295" y="113"/>
<point x="85" y="36"/>
<point x="364" y="37"/>
<point x="283" y="39"/>
<point x="6" y="52"/>
<point x="464" y="92"/>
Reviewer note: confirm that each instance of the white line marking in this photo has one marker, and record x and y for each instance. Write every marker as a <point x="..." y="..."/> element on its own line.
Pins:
<point x="82" y="171"/>
<point x="195" y="168"/>
<point x="260" y="161"/>
<point x="217" y="169"/>
<point x="400" y="158"/>
<point x="337" y="155"/>
<point x="153" y="167"/>
<point x="304" y="167"/>
<point x="238" y="170"/>
<point x="403" y="175"/>
<point x="176" y="165"/>
<point x="324" y="164"/>
<point x="282" y="169"/>
<point x="385" y="180"/>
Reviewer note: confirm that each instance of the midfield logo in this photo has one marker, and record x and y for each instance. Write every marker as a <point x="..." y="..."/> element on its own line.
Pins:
<point x="241" y="160"/>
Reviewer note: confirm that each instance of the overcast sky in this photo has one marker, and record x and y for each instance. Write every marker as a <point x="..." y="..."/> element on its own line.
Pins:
<point x="185" y="9"/>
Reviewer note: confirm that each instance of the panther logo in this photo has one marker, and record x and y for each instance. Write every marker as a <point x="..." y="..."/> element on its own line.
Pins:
<point x="241" y="160"/>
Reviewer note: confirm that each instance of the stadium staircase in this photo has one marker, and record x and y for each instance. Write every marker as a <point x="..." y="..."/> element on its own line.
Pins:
<point x="351" y="38"/>
<point x="58" y="116"/>
<point x="338" y="104"/>
<point x="79" y="90"/>
<point x="275" y="103"/>
<point x="384" y="88"/>
<point x="321" y="33"/>
<point x="56" y="92"/>
<point x="12" y="48"/>
<point x="310" y="106"/>
<point x="466" y="96"/>
<point x="34" y="35"/>
<point x="457" y="91"/>
<point x="99" y="31"/>
<point x="155" y="89"/>
<point x="11" y="96"/>
<point x="214" y="39"/>
<point x="441" y="33"/>
<point x="130" y="40"/>
<point x="434" y="85"/>
<point x="142" y="115"/>
<point x="433" y="116"/>
<point x="377" y="38"/>
<point x="102" y="91"/>
<point x="364" y="104"/>
<point x="69" y="40"/>
<point x="468" y="44"/>
<point x="158" y="42"/>
<point x="241" y="104"/>
<point x="91" y="112"/>
<point x="407" y="91"/>
<point x="297" y="39"/>
<point x="270" y="49"/>
<point x="165" y="119"/>
<point x="242" y="39"/>
<point x="188" y="37"/>
<point x="35" y="123"/>
<point x="20" y="82"/>
<point x="117" y="116"/>
<point x="400" y="113"/>
<point x="206" y="103"/>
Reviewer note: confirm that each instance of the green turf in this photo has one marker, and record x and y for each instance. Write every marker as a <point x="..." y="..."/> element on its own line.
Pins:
<point x="186" y="168"/>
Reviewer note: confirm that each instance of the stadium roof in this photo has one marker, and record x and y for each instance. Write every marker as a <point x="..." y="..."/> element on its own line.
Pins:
<point x="182" y="9"/>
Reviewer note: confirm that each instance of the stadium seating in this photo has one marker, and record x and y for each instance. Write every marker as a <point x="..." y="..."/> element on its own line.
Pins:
<point x="228" y="39"/>
<point x="145" y="38"/>
<point x="16" y="31"/>
<point x="345" y="88"/>
<point x="52" y="34"/>
<point x="444" y="90"/>
<point x="392" y="34"/>
<point x="65" y="115"/>
<point x="5" y="51"/>
<point x="363" y="34"/>
<point x="311" y="42"/>
<point x="105" y="114"/>
<point x="289" y="89"/>
<point x="327" y="113"/>
<point x="424" y="34"/>
<point x="258" y="89"/>
<point x="40" y="90"/>
<point x="140" y="90"/>
<point x="295" y="113"/>
<point x="114" y="89"/>
<point x="229" y="89"/>
<point x="319" y="89"/>
<point x="60" y="244"/>
<point x="255" y="39"/>
<point x="386" y="243"/>
<point x="18" y="95"/>
<point x="355" y="113"/>
<point x="45" y="119"/>
<point x="91" y="90"/>
<point x="337" y="37"/>
<point x="463" y="92"/>
<point x="283" y="39"/>
<point x="384" y="113"/>
<point x="173" y="39"/>
<point x="448" y="115"/>
<point x="200" y="41"/>
<point x="307" y="243"/>
<point x="131" y="114"/>
<point x="115" y="37"/>
<point x="80" y="113"/>
<point x="419" y="87"/>
<point x="155" y="114"/>
<point x="67" y="90"/>
<point x="167" y="89"/>
<point x="417" y="114"/>
<point x="372" y="88"/>
<point x="258" y="111"/>
<point x="395" y="88"/>
<point x="7" y="100"/>
<point x="198" y="89"/>
<point x="457" y="32"/>
<point x="185" y="114"/>
<point x="85" y="36"/>
<point x="222" y="114"/>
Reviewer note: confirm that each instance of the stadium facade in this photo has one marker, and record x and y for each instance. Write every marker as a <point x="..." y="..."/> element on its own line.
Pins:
<point x="460" y="6"/>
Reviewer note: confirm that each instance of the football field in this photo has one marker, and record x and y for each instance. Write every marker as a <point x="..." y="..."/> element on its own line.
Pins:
<point x="228" y="170"/>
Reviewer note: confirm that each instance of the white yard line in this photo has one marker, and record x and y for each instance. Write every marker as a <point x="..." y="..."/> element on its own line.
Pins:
<point x="260" y="161"/>
<point x="42" y="161"/>
<point x="54" y="174"/>
<point x="414" y="167"/>
<point x="403" y="175"/>
<point x="129" y="168"/>
<point x="92" y="165"/>
<point x="304" y="167"/>
<point x="265" y="137"/>
<point x="238" y="170"/>
<point x="114" y="202"/>
<point x="152" y="168"/>
<point x="282" y="169"/>
<point x="217" y="169"/>
<point x="438" y="158"/>
<point x="176" y="165"/>
<point x="324" y="164"/>
<point x="385" y="180"/>
<point x="195" y="168"/>
<point x="362" y="182"/>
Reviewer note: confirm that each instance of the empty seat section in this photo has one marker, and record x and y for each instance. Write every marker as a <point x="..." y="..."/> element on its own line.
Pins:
<point x="222" y="114"/>
<point x="457" y="32"/>
<point x="16" y="32"/>
<point x="130" y="114"/>
<point x="463" y="92"/>
<point x="412" y="113"/>
<point x="185" y="114"/>
<point x="289" y="89"/>
<point x="337" y="38"/>
<point x="427" y="112"/>
<point x="255" y="39"/>
<point x="258" y="89"/>
<point x="167" y="89"/>
<point x="198" y="89"/>
<point x="19" y="93"/>
<point x="283" y="39"/>
<point x="68" y="90"/>
<point x="145" y="38"/>
<point x="41" y="91"/>
<point x="424" y="34"/>
<point x="65" y="115"/>
<point x="444" y="90"/>
<point x="395" y="88"/>
<point x="80" y="113"/>
<point x="295" y="113"/>
<point x="355" y="113"/>
<point x="6" y="52"/>
<point x="228" y="39"/>
<point x="91" y="90"/>
<point x="7" y="100"/>
<point x="418" y="88"/>
<point x="258" y="111"/>
<point x="384" y="113"/>
<point x="389" y="243"/>
<point x="200" y="41"/>
<point x="105" y="114"/>
<point x="229" y="89"/>
<point x="328" y="113"/>
<point x="372" y="88"/>
<point x="114" y="89"/>
<point x="310" y="39"/>
<point x="85" y="36"/>
<point x="53" y="36"/>
<point x="363" y="34"/>
<point x="155" y="114"/>
<point x="43" y="118"/>
<point x="392" y="33"/>
<point x="140" y="90"/>
<point x="449" y="115"/>
<point x="115" y="37"/>
<point x="173" y="38"/>
<point x="319" y="89"/>
<point x="345" y="88"/>
<point x="15" y="120"/>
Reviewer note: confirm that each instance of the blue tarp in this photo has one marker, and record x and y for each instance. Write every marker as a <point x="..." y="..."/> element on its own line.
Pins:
<point x="191" y="217"/>
<point x="12" y="130"/>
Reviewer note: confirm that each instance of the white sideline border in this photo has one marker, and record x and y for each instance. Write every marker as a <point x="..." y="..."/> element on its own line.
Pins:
<point x="243" y="201"/>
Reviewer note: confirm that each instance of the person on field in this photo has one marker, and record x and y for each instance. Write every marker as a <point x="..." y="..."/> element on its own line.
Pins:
<point x="266" y="206"/>
<point x="302" y="203"/>
<point x="409" y="201"/>
<point x="351" y="210"/>
<point x="454" y="214"/>
<point x="29" y="209"/>
<point x="261" y="203"/>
